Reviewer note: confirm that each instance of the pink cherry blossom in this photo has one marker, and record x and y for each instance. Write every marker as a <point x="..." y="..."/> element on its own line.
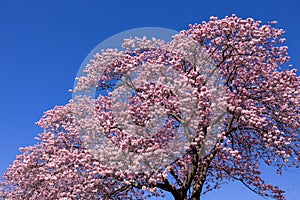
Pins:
<point x="220" y="90"/>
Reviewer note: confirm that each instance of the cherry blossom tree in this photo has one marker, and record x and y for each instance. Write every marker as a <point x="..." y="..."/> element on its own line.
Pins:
<point x="186" y="116"/>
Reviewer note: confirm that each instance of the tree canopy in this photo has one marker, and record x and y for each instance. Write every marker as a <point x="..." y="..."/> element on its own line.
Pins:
<point x="185" y="116"/>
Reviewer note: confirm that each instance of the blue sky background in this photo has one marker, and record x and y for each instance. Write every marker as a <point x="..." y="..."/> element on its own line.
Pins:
<point x="43" y="43"/>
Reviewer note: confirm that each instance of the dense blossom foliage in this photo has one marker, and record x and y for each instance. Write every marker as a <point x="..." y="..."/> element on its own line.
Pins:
<point x="220" y="90"/>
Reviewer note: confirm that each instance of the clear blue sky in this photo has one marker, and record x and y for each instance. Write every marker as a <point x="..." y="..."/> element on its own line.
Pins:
<point x="42" y="44"/>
